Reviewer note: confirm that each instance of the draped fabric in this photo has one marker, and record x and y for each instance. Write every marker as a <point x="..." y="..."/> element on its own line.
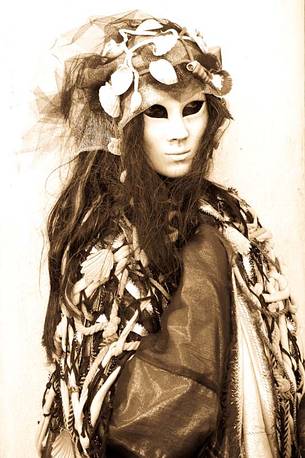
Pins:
<point x="215" y="371"/>
<point x="168" y="396"/>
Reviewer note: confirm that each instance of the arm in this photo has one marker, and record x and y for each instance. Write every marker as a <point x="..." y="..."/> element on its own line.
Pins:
<point x="167" y="397"/>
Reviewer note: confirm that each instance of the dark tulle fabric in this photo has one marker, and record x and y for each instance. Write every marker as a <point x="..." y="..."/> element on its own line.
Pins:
<point x="167" y="398"/>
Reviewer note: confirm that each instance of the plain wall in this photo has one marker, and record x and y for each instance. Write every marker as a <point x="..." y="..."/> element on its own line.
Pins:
<point x="261" y="155"/>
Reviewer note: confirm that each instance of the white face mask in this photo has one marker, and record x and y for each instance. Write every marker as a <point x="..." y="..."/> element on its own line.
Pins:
<point x="173" y="129"/>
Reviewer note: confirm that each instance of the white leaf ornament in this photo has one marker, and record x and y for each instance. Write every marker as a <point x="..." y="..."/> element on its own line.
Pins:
<point x="163" y="71"/>
<point x="123" y="176"/>
<point x="143" y="258"/>
<point x="97" y="266"/>
<point x="135" y="102"/>
<point x="109" y="101"/>
<point x="149" y="24"/>
<point x="114" y="146"/>
<point x="121" y="80"/>
<point x="113" y="49"/>
<point x="164" y="43"/>
<point x="197" y="37"/>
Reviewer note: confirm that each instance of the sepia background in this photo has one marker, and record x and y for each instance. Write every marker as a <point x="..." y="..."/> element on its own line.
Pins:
<point x="261" y="155"/>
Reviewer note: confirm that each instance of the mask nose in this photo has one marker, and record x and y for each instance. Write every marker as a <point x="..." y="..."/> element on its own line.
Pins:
<point x="177" y="129"/>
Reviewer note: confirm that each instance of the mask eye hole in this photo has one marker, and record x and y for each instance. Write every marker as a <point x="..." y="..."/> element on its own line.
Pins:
<point x="192" y="107"/>
<point x="156" y="111"/>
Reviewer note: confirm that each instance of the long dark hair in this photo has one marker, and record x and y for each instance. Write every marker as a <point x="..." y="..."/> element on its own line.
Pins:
<point x="94" y="200"/>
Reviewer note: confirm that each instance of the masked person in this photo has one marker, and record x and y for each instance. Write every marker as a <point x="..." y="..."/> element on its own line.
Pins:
<point x="169" y="325"/>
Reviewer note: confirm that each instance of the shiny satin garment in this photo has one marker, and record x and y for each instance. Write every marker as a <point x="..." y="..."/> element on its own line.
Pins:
<point x="301" y="427"/>
<point x="167" y="398"/>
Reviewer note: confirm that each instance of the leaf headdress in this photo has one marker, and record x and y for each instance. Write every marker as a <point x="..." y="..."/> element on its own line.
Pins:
<point x="110" y="66"/>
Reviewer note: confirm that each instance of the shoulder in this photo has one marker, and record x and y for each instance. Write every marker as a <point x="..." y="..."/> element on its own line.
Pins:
<point x="224" y="205"/>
